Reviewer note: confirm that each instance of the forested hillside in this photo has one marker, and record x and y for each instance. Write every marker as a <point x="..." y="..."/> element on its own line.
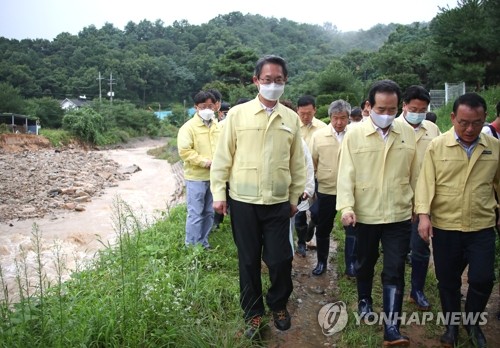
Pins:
<point x="157" y="66"/>
<point x="152" y="62"/>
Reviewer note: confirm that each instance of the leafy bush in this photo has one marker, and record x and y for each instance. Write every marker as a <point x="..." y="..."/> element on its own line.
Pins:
<point x="57" y="137"/>
<point x="167" y="129"/>
<point x="85" y="123"/>
<point x="4" y="128"/>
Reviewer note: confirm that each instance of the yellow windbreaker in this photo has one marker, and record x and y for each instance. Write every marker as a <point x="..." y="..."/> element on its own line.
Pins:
<point x="456" y="191"/>
<point x="376" y="179"/>
<point x="260" y="156"/>
<point x="196" y="145"/>
<point x="325" y="150"/>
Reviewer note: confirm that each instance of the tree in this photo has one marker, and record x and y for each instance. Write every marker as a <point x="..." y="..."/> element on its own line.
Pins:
<point x="338" y="80"/>
<point x="459" y="52"/>
<point x="236" y="66"/>
<point x="47" y="110"/>
<point x="85" y="123"/>
<point x="10" y="99"/>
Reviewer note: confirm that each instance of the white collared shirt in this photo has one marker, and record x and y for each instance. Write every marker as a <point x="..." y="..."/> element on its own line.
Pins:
<point x="381" y="132"/>
<point x="339" y="136"/>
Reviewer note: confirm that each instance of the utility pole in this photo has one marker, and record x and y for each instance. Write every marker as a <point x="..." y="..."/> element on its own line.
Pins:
<point x="100" y="91"/>
<point x="111" y="83"/>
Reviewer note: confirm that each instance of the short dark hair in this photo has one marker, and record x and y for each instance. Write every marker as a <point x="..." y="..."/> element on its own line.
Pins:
<point x="224" y="106"/>
<point x="356" y="112"/>
<point x="384" y="86"/>
<point x="242" y="100"/>
<point x="306" y="100"/>
<point x="431" y="116"/>
<point x="270" y="59"/>
<point x="363" y="104"/>
<point x="202" y="96"/>
<point x="216" y="93"/>
<point x="471" y="99"/>
<point x="416" y="92"/>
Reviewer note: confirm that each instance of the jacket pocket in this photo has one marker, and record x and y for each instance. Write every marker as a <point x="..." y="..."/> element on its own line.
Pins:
<point x="281" y="181"/>
<point x="246" y="182"/>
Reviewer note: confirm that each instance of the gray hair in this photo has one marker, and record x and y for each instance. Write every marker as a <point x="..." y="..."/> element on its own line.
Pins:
<point x="339" y="106"/>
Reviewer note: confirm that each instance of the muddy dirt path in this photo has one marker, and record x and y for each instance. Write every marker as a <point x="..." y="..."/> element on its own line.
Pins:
<point x="79" y="235"/>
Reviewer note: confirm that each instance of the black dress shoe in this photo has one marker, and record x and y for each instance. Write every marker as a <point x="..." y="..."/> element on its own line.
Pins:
<point x="320" y="269"/>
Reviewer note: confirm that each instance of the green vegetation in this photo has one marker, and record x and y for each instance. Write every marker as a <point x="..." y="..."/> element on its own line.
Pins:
<point x="167" y="152"/>
<point x="491" y="96"/>
<point x="57" y="137"/>
<point x="161" y="67"/>
<point x="148" y="291"/>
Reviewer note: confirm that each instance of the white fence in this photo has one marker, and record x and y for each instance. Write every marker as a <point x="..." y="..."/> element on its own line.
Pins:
<point x="440" y="97"/>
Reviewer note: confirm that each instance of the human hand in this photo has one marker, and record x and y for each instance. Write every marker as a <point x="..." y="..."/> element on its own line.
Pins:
<point x="220" y="207"/>
<point x="348" y="219"/>
<point x="425" y="228"/>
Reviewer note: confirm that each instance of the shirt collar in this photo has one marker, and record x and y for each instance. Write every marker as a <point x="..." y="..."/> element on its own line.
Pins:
<point x="269" y="111"/>
<point x="472" y="145"/>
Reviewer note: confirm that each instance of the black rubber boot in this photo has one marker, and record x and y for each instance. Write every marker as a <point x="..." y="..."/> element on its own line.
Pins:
<point x="450" y="303"/>
<point x="322" y="250"/>
<point x="350" y="256"/>
<point x="418" y="275"/>
<point x="393" y="303"/>
<point x="475" y="305"/>
<point x="301" y="240"/>
<point x="365" y="302"/>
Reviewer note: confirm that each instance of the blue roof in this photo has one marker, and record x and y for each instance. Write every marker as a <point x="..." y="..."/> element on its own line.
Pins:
<point x="162" y="114"/>
<point x="166" y="113"/>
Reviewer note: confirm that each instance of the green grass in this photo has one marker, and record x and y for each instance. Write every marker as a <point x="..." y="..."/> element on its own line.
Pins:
<point x="57" y="137"/>
<point x="148" y="291"/>
<point x="167" y="152"/>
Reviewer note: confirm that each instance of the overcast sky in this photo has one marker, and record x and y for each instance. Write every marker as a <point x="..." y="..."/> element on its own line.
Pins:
<point x="31" y="19"/>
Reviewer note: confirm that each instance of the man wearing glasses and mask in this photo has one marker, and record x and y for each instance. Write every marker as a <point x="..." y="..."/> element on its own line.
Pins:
<point x="260" y="154"/>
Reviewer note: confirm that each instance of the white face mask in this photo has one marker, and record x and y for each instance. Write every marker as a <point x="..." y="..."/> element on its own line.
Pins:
<point x="206" y="114"/>
<point x="415" y="117"/>
<point x="382" y="121"/>
<point x="271" y="91"/>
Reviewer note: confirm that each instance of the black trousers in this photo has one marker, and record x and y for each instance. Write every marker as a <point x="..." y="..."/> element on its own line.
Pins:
<point x="453" y="250"/>
<point x="326" y="214"/>
<point x="395" y="239"/>
<point x="263" y="232"/>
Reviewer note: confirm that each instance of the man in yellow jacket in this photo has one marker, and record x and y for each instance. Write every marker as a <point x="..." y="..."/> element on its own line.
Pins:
<point x="377" y="176"/>
<point x="196" y="142"/>
<point x="456" y="188"/>
<point x="416" y="100"/>
<point x="260" y="154"/>
<point x="325" y="147"/>
<point x="309" y="124"/>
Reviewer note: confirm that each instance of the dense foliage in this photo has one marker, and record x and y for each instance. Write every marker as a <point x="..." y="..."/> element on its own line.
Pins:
<point x="154" y="66"/>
